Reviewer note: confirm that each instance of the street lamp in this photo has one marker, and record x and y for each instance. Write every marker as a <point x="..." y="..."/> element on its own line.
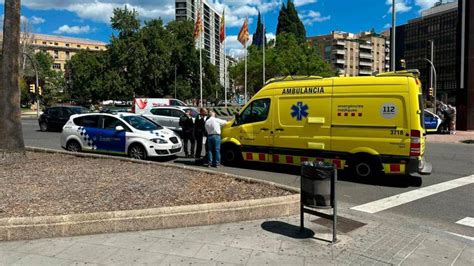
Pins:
<point x="433" y="85"/>
<point x="37" y="82"/>
<point x="392" y="44"/>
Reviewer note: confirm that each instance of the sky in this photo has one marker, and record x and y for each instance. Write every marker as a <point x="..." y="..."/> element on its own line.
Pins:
<point x="91" y="18"/>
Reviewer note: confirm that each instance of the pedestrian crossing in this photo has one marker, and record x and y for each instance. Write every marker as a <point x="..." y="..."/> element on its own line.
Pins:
<point x="468" y="221"/>
<point x="403" y="198"/>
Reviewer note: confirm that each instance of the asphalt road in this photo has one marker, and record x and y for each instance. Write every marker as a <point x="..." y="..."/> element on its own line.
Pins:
<point x="440" y="211"/>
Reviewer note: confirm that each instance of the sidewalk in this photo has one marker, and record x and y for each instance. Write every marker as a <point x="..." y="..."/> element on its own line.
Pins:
<point x="446" y="138"/>
<point x="362" y="240"/>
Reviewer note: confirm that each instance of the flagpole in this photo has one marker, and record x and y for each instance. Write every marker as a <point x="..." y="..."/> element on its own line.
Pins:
<point x="225" y="78"/>
<point x="245" y="85"/>
<point x="264" y="44"/>
<point x="200" y="58"/>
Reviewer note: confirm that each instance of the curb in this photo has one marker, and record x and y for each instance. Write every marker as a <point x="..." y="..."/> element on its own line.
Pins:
<point x="23" y="228"/>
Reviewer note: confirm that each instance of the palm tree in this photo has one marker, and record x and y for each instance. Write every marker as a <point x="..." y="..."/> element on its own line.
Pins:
<point x="12" y="146"/>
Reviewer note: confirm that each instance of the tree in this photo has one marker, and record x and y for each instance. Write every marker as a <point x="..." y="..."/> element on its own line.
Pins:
<point x="125" y="21"/>
<point x="259" y="37"/>
<point x="288" y="57"/>
<point x="289" y="22"/>
<point x="12" y="146"/>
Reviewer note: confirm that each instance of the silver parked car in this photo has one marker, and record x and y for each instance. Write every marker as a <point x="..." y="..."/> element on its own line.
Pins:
<point x="168" y="116"/>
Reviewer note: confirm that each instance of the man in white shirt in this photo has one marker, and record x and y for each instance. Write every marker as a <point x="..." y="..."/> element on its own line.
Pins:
<point x="213" y="128"/>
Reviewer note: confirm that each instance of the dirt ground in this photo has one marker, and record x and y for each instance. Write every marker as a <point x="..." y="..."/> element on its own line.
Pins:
<point x="53" y="184"/>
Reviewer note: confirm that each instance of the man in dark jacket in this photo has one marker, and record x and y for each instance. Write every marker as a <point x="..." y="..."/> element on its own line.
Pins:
<point x="187" y="125"/>
<point x="200" y="131"/>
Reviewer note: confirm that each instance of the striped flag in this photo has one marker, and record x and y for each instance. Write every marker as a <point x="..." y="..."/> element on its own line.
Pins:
<point x="243" y="36"/>
<point x="198" y="26"/>
<point x="222" y="28"/>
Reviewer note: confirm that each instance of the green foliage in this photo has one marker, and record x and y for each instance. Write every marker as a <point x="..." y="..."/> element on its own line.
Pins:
<point x="288" y="57"/>
<point x="140" y="62"/>
<point x="289" y="22"/>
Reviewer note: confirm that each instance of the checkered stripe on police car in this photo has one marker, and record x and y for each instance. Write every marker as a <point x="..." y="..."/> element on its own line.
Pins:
<point x="87" y="139"/>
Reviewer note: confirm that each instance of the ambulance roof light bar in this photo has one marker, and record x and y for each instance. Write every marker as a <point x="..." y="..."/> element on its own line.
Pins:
<point x="291" y="78"/>
<point x="406" y="73"/>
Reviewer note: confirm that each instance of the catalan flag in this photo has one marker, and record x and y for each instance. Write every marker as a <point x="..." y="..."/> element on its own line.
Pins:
<point x="198" y="26"/>
<point x="222" y="28"/>
<point x="243" y="36"/>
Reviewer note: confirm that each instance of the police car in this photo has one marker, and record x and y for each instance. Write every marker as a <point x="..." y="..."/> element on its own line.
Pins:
<point x="432" y="121"/>
<point x="122" y="133"/>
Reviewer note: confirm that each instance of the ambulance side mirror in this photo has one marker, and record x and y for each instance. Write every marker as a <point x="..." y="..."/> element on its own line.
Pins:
<point x="237" y="119"/>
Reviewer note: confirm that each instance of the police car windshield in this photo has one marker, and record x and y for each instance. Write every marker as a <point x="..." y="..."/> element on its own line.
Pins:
<point x="141" y="123"/>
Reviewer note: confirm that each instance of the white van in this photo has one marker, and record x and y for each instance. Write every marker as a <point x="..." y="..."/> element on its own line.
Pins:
<point x="144" y="105"/>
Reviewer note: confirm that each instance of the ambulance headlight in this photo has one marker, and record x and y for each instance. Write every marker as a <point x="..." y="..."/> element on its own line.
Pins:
<point x="159" y="141"/>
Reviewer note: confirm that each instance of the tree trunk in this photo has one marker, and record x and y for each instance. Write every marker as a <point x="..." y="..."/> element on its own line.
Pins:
<point x="12" y="146"/>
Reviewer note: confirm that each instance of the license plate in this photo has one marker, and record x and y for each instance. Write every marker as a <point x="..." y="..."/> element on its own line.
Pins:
<point x="175" y="146"/>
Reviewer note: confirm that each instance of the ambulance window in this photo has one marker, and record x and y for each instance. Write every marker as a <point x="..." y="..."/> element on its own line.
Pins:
<point x="257" y="111"/>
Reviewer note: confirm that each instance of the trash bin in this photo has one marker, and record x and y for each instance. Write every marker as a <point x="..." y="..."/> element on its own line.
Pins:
<point x="316" y="184"/>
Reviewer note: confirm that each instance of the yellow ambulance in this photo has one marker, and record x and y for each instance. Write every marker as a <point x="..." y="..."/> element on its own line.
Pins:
<point x="367" y="124"/>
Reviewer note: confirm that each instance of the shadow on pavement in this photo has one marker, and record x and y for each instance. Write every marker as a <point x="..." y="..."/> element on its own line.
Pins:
<point x="287" y="229"/>
<point x="399" y="181"/>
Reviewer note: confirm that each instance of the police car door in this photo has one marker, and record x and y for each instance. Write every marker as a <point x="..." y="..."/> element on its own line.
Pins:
<point x="110" y="139"/>
<point x="255" y="126"/>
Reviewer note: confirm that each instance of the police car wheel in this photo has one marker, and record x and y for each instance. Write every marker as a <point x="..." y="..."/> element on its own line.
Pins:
<point x="137" y="152"/>
<point x="73" y="146"/>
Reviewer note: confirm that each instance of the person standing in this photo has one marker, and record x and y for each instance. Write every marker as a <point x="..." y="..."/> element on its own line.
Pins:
<point x="200" y="131"/>
<point x="213" y="128"/>
<point x="187" y="125"/>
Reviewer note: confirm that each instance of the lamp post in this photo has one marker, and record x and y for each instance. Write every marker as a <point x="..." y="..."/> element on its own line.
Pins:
<point x="392" y="44"/>
<point x="37" y="82"/>
<point x="433" y="69"/>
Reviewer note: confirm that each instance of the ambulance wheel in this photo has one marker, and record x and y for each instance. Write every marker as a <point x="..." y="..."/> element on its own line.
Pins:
<point x="73" y="146"/>
<point x="365" y="166"/>
<point x="136" y="151"/>
<point x="230" y="154"/>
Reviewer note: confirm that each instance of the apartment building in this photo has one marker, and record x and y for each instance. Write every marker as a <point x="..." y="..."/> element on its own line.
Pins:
<point x="354" y="54"/>
<point x="188" y="10"/>
<point x="61" y="48"/>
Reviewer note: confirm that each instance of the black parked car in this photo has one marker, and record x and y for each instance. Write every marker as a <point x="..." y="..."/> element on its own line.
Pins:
<point x="54" y="118"/>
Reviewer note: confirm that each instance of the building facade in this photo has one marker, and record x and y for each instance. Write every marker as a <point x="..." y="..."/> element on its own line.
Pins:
<point x="60" y="48"/>
<point x="188" y="10"/>
<point x="354" y="54"/>
<point x="439" y="25"/>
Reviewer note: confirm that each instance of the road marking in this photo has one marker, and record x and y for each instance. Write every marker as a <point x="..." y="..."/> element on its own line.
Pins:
<point x="468" y="221"/>
<point x="393" y="201"/>
<point x="463" y="236"/>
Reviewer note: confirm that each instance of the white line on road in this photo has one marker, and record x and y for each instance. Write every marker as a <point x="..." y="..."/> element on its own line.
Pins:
<point x="468" y="221"/>
<point x="393" y="201"/>
<point x="463" y="236"/>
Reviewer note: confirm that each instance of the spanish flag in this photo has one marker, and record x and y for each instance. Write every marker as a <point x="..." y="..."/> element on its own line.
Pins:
<point x="198" y="26"/>
<point x="222" y="28"/>
<point x="243" y="36"/>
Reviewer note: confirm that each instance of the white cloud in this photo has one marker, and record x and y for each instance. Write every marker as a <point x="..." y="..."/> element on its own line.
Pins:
<point x="309" y="17"/>
<point x="66" y="29"/>
<point x="387" y="26"/>
<point x="401" y="6"/>
<point x="36" y="20"/>
<point x="299" y="3"/>
<point x="425" y="4"/>
<point x="101" y="10"/>
<point x="235" y="48"/>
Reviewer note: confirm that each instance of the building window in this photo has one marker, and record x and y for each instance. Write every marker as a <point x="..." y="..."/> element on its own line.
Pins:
<point x="56" y="54"/>
<point x="44" y="43"/>
<point x="56" y="66"/>
<point x="68" y="56"/>
<point x="78" y="46"/>
<point x="56" y="43"/>
<point x="97" y="47"/>
<point x="67" y="44"/>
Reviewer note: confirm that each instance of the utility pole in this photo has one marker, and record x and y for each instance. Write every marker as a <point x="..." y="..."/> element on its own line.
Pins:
<point x="392" y="43"/>
<point x="433" y="69"/>
<point x="175" y="69"/>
